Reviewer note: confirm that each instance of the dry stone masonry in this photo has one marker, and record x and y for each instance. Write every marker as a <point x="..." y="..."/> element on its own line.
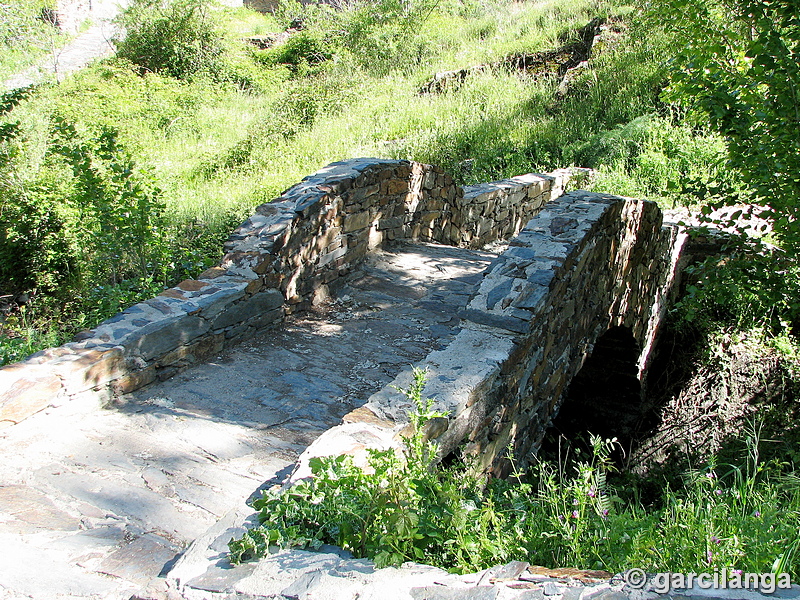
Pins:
<point x="586" y="263"/>
<point x="281" y="260"/>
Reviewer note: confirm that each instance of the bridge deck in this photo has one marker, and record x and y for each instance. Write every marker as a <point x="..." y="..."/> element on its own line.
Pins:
<point x="97" y="502"/>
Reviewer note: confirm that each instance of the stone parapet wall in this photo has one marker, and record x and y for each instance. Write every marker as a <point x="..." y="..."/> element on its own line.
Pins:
<point x="282" y="259"/>
<point x="498" y="210"/>
<point x="586" y="263"/>
<point x="315" y="231"/>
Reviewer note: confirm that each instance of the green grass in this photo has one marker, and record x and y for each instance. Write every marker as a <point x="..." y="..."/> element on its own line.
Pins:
<point x="217" y="145"/>
<point x="504" y="123"/>
<point x="242" y="22"/>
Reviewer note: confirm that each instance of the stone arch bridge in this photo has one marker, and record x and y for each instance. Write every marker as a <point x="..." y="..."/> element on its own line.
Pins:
<point x="295" y="345"/>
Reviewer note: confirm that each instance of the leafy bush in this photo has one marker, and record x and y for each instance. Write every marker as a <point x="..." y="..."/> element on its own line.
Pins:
<point x="738" y="67"/>
<point x="305" y="51"/>
<point x="119" y="210"/>
<point x="379" y="37"/>
<point x="372" y="515"/>
<point x="27" y="34"/>
<point x="750" y="286"/>
<point x="194" y="245"/>
<point x="244" y="70"/>
<point x="736" y="70"/>
<point x="85" y="225"/>
<point x="37" y="249"/>
<point x="25" y="340"/>
<point x="177" y="38"/>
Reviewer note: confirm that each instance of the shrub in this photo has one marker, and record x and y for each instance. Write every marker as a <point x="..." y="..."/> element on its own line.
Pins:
<point x="37" y="249"/>
<point x="737" y="69"/>
<point x="178" y="38"/>
<point x="750" y="286"/>
<point x="379" y="37"/>
<point x="244" y="70"/>
<point x="404" y="508"/>
<point x="120" y="222"/>
<point x="82" y="233"/>
<point x="305" y="51"/>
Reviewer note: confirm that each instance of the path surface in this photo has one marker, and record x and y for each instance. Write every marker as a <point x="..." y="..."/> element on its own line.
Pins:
<point x="93" y="43"/>
<point x="96" y="503"/>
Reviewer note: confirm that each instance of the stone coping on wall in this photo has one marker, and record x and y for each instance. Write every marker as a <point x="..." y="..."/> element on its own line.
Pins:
<point x="280" y="260"/>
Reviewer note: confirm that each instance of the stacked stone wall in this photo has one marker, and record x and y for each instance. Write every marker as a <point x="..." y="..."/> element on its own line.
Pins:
<point x="609" y="263"/>
<point x="318" y="229"/>
<point x="282" y="259"/>
<point x="586" y="263"/>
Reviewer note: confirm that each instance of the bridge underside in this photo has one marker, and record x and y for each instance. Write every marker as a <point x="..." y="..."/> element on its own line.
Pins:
<point x="605" y="396"/>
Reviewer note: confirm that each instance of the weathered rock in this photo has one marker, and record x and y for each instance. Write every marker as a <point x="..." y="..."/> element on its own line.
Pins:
<point x="141" y="560"/>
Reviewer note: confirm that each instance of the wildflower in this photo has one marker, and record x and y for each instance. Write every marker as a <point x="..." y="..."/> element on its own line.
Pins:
<point x="604" y="513"/>
<point x="757" y="513"/>
<point x="560" y="518"/>
<point x="715" y="539"/>
<point x="575" y="502"/>
<point x="718" y="492"/>
<point x="709" y="556"/>
<point x="574" y="514"/>
<point x="591" y="493"/>
<point x="736" y="571"/>
<point x="711" y="475"/>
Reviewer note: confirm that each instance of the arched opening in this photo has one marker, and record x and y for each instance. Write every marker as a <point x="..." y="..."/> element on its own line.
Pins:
<point x="605" y="396"/>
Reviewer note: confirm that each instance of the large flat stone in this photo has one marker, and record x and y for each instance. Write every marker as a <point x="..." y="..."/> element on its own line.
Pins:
<point x="483" y="592"/>
<point x="140" y="560"/>
<point x="257" y="304"/>
<point x="27" y="391"/>
<point x="160" y="337"/>
<point x="28" y="572"/>
<point x="33" y="510"/>
<point x="278" y="572"/>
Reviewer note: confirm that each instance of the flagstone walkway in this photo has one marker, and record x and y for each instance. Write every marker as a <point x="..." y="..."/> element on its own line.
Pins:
<point x="95" y="503"/>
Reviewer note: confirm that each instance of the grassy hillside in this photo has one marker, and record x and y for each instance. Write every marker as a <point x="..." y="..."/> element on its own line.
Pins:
<point x="126" y="178"/>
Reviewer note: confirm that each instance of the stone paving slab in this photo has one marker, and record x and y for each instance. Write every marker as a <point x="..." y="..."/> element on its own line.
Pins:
<point x="331" y="574"/>
<point x="94" y="503"/>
